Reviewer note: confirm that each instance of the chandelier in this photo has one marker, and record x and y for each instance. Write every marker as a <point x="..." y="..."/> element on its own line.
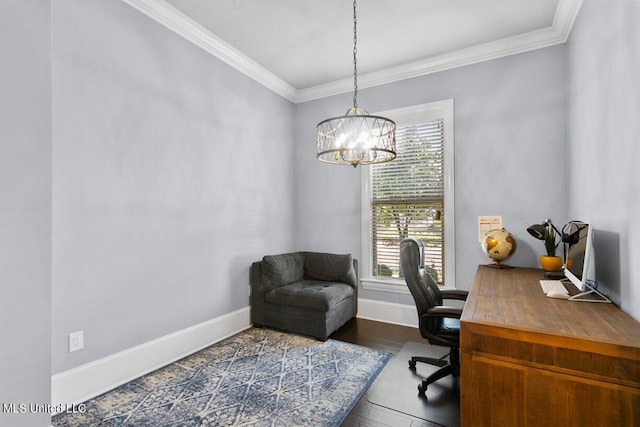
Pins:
<point x="357" y="138"/>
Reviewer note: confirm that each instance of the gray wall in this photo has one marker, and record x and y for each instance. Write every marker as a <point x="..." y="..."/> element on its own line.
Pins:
<point x="25" y="210"/>
<point x="172" y="172"/>
<point x="604" y="134"/>
<point x="508" y="114"/>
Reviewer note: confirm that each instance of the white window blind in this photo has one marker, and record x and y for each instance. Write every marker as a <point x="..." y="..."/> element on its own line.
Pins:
<point x="407" y="200"/>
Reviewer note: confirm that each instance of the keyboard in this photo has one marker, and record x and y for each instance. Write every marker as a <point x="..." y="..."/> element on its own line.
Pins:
<point x="553" y="285"/>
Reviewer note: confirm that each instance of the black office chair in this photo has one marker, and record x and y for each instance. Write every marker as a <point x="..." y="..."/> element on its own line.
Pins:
<point x="438" y="323"/>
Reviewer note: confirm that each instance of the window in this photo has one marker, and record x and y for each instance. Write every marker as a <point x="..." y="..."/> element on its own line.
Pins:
<point x="411" y="196"/>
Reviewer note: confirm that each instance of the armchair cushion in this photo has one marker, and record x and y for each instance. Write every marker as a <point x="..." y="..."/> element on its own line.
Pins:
<point x="310" y="294"/>
<point x="330" y="267"/>
<point x="280" y="270"/>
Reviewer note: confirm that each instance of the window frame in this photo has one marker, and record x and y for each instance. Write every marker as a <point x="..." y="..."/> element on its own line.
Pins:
<point x="406" y="116"/>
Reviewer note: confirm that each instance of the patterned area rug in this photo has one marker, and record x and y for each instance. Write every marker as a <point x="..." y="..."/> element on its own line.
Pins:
<point x="259" y="377"/>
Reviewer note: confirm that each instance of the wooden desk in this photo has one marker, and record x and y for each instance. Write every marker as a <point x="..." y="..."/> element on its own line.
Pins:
<point x="530" y="360"/>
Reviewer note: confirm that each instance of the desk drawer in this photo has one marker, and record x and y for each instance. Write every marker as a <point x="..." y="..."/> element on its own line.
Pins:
<point x="557" y="357"/>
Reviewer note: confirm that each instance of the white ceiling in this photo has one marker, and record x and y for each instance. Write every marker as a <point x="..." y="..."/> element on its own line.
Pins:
<point x="303" y="49"/>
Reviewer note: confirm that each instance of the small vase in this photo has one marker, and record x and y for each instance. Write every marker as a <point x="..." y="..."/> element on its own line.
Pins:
<point x="550" y="263"/>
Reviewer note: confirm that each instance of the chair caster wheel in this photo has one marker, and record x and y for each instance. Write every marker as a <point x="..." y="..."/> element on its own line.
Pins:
<point x="412" y="364"/>
<point x="422" y="389"/>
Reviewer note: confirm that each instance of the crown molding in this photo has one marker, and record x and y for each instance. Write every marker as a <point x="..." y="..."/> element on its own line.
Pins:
<point x="176" y="21"/>
<point x="557" y="33"/>
<point x="173" y="19"/>
<point x="566" y="15"/>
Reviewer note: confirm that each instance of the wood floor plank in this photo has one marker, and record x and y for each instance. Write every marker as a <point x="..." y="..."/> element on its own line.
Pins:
<point x="382" y="337"/>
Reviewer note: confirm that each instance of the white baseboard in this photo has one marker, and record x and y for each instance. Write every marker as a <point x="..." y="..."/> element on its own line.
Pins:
<point x="388" y="312"/>
<point x="92" y="379"/>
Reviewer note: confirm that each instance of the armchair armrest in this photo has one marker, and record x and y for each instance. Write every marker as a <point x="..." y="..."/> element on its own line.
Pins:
<point x="444" y="311"/>
<point x="457" y="294"/>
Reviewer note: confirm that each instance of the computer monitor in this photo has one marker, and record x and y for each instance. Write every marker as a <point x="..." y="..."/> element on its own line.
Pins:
<point x="579" y="266"/>
<point x="577" y="237"/>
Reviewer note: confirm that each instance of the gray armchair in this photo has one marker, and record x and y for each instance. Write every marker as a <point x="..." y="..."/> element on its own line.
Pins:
<point x="309" y="293"/>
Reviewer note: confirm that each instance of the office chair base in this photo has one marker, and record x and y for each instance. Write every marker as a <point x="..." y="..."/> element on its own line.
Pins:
<point x="430" y="360"/>
<point x="451" y="367"/>
<point x="440" y="373"/>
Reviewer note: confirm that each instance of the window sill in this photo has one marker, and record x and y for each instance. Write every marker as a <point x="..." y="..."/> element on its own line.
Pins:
<point x="389" y="285"/>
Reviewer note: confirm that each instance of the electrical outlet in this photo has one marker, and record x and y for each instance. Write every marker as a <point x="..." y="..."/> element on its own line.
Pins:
<point x="76" y="341"/>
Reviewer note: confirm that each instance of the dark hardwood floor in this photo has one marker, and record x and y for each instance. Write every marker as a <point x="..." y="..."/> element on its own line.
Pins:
<point x="388" y="338"/>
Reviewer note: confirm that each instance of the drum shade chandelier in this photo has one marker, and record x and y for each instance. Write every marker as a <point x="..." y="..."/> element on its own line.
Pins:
<point x="357" y="138"/>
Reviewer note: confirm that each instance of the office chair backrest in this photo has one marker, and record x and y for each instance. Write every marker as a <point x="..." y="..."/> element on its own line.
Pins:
<point x="422" y="286"/>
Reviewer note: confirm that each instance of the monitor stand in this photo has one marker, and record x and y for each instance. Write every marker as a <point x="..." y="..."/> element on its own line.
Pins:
<point x="590" y="295"/>
<point x="554" y="275"/>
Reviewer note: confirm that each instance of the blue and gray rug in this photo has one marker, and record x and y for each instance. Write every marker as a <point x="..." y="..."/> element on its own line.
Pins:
<point x="259" y="377"/>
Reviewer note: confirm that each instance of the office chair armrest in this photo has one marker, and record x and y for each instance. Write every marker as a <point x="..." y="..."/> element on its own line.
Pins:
<point x="444" y="311"/>
<point x="457" y="294"/>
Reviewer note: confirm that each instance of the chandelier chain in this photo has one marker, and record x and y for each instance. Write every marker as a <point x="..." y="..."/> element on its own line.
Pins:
<point x="356" y="138"/>
<point x="355" y="56"/>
